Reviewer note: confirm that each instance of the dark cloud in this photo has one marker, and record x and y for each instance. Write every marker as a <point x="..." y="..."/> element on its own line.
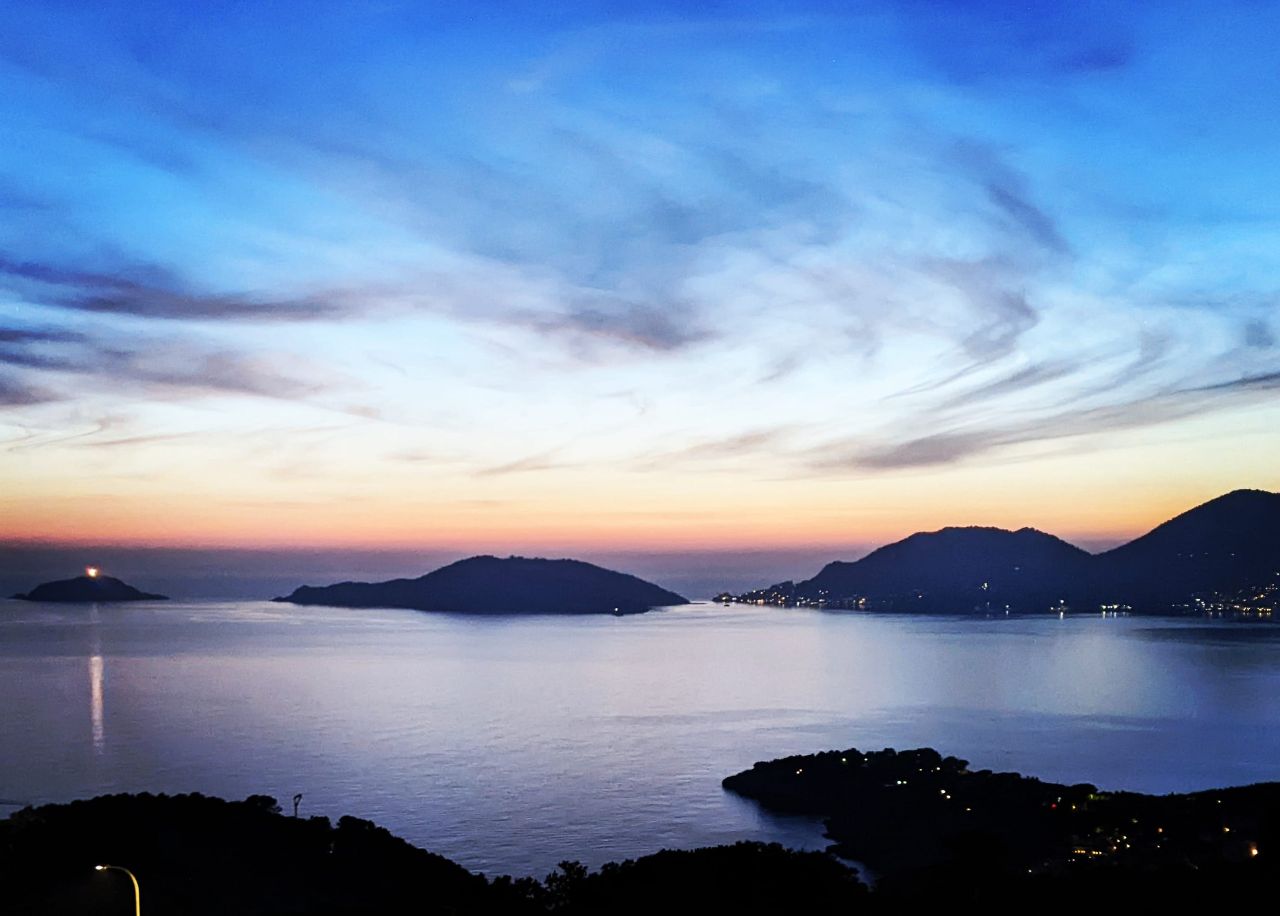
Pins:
<point x="1012" y="200"/>
<point x="1258" y="334"/>
<point x="1018" y="380"/>
<point x="753" y="442"/>
<point x="14" y="392"/>
<point x="974" y="43"/>
<point x="1097" y="58"/>
<point x="948" y="446"/>
<point x="13" y="198"/>
<point x="636" y="325"/>
<point x="936" y="449"/>
<point x="172" y="365"/>
<point x="146" y="292"/>
<point x="1263" y="380"/>
<point x="544" y="461"/>
<point x="1007" y="190"/>
<point x="1003" y="313"/>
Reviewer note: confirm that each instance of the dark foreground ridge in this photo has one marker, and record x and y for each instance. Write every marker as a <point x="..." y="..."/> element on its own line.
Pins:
<point x="87" y="589"/>
<point x="1027" y="850"/>
<point x="203" y="856"/>
<point x="924" y="822"/>
<point x="489" y="585"/>
<point x="1221" y="558"/>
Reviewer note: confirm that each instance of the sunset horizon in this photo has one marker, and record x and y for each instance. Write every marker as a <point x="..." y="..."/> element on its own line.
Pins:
<point x="571" y="457"/>
<point x="596" y="290"/>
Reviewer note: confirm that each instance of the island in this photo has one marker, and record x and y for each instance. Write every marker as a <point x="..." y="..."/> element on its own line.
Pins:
<point x="492" y="585"/>
<point x="92" y="587"/>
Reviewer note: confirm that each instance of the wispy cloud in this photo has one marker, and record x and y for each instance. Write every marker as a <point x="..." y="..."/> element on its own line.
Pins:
<point x="14" y="392"/>
<point x="644" y="326"/>
<point x="957" y="445"/>
<point x="147" y="292"/>
<point x="544" y="461"/>
<point x="166" y="365"/>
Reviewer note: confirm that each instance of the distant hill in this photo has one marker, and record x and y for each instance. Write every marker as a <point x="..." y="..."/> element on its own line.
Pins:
<point x="977" y="566"/>
<point x="490" y="585"/>
<point x="1226" y="546"/>
<point x="87" y="589"/>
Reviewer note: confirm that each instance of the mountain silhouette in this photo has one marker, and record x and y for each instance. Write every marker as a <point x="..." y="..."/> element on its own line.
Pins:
<point x="1228" y="544"/>
<point x="977" y="566"/>
<point x="87" y="589"/>
<point x="490" y="585"/>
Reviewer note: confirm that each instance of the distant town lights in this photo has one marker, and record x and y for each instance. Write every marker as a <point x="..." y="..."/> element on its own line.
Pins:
<point x="91" y="572"/>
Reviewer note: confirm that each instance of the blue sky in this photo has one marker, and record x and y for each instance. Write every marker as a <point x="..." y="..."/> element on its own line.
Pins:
<point x="632" y="274"/>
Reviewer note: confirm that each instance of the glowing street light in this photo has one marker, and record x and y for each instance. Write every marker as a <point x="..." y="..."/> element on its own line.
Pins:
<point x="91" y="572"/>
<point x="137" y="892"/>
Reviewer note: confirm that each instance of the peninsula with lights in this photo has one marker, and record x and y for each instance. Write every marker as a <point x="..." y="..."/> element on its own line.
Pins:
<point x="915" y="817"/>
<point x="1218" y="559"/>
<point x="92" y="587"/>
<point x="494" y="585"/>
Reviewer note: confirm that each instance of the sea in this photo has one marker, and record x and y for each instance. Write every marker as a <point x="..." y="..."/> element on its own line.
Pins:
<point x="513" y="743"/>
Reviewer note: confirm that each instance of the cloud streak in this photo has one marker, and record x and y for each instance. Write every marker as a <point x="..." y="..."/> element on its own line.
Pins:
<point x="149" y="292"/>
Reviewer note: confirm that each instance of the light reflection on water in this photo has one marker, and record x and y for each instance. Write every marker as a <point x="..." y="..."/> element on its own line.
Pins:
<point x="512" y="743"/>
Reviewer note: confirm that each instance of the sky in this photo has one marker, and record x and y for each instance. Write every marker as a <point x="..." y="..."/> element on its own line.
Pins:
<point x="642" y="279"/>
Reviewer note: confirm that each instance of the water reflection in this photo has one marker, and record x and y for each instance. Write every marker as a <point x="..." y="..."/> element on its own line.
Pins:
<point x="96" y="676"/>
<point x="95" y="703"/>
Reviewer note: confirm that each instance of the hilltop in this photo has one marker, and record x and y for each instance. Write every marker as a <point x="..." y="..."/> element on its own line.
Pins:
<point x="490" y="585"/>
<point x="85" y="589"/>
<point x="1224" y="554"/>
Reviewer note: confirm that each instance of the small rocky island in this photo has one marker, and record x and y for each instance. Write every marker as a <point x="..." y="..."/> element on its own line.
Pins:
<point x="90" y="588"/>
<point x="491" y="585"/>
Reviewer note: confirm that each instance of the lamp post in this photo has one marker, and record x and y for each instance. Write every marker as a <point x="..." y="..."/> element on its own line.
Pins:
<point x="137" y="892"/>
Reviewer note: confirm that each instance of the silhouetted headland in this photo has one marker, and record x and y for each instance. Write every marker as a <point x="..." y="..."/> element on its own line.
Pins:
<point x="490" y="585"/>
<point x="1220" y="558"/>
<point x="916" y="817"/>
<point x="84" y="589"/>
<point x="937" y="834"/>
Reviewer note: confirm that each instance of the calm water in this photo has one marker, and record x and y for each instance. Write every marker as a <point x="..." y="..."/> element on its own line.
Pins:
<point x="510" y="744"/>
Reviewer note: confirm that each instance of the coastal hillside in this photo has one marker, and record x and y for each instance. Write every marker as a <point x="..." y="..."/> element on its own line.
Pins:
<point x="980" y="567"/>
<point x="1225" y="545"/>
<point x="202" y="856"/>
<point x="932" y="830"/>
<point x="492" y="585"/>
<point x="1222" y="555"/>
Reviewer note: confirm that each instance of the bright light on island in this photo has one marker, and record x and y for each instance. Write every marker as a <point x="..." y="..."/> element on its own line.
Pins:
<point x="91" y="572"/>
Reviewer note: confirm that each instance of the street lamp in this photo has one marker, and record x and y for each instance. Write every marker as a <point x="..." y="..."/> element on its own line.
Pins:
<point x="137" y="892"/>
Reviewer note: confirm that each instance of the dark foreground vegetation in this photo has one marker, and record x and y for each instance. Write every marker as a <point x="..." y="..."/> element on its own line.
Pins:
<point x="934" y="833"/>
<point x="198" y="855"/>
<point x="932" y="829"/>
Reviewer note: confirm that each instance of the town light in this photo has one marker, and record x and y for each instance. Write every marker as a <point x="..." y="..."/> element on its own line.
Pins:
<point x="92" y="573"/>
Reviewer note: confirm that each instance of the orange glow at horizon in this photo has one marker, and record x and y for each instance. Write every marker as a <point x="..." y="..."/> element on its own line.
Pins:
<point x="695" y="529"/>
<point x="1083" y="496"/>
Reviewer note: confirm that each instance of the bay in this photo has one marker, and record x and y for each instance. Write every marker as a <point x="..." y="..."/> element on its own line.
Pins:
<point x="512" y="743"/>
